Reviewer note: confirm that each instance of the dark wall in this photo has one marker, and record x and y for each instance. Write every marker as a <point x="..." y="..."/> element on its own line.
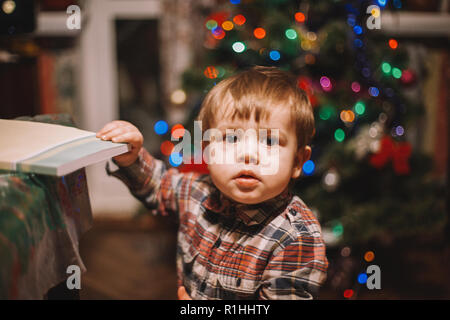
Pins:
<point x="19" y="94"/>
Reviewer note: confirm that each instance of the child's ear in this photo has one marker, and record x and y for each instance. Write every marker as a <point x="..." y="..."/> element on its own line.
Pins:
<point x="302" y="156"/>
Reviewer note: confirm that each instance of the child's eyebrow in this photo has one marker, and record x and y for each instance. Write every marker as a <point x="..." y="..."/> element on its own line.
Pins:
<point x="222" y="127"/>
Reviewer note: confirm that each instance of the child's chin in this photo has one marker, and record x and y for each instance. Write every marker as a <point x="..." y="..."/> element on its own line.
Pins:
<point x="247" y="199"/>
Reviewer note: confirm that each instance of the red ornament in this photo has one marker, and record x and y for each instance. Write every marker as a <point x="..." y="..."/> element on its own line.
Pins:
<point x="400" y="158"/>
<point x="398" y="152"/>
<point x="313" y="99"/>
<point x="305" y="84"/>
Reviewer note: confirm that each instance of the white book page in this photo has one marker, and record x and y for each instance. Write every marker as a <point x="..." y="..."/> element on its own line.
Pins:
<point x="21" y="140"/>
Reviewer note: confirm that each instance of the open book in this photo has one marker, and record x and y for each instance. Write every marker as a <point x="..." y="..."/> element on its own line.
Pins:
<point x="50" y="148"/>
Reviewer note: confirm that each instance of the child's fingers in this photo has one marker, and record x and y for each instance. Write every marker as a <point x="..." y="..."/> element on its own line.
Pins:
<point x="103" y="133"/>
<point x="110" y="126"/>
<point x="113" y="133"/>
<point x="182" y="294"/>
<point x="129" y="137"/>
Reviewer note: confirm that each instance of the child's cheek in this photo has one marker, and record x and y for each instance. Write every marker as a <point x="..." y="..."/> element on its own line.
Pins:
<point x="269" y="159"/>
<point x="213" y="153"/>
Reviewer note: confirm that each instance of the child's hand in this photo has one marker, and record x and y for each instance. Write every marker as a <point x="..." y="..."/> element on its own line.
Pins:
<point x="182" y="294"/>
<point x="123" y="131"/>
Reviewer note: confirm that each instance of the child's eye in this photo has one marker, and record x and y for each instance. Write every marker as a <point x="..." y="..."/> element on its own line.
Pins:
<point x="231" y="138"/>
<point x="270" y="141"/>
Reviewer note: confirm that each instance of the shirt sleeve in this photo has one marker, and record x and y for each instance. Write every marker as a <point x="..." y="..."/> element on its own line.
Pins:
<point x="158" y="188"/>
<point x="296" y="271"/>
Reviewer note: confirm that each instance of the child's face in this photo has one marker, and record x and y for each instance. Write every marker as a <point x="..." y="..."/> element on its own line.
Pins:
<point x="246" y="179"/>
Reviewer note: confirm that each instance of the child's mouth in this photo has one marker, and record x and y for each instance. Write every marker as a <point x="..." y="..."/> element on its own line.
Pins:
<point x="246" y="180"/>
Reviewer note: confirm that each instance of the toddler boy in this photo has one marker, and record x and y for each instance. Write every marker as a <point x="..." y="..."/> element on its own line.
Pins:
<point x="242" y="234"/>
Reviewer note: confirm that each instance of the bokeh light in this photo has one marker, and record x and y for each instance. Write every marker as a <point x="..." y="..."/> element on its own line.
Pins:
<point x="308" y="167"/>
<point x="178" y="96"/>
<point x="362" y="278"/>
<point x="300" y="17"/>
<point x="291" y="34"/>
<point x="331" y="180"/>
<point x="348" y="293"/>
<point x="238" y="47"/>
<point x="220" y="72"/>
<point x="211" y="24"/>
<point x="407" y="76"/>
<point x="358" y="43"/>
<point x="306" y="45"/>
<point x="399" y="130"/>
<point x="161" y="127"/>
<point x="166" y="148"/>
<point x="374" y="92"/>
<point x="369" y="256"/>
<point x="365" y="72"/>
<point x="375" y="12"/>
<point x="351" y="20"/>
<point x="356" y="87"/>
<point x="259" y="33"/>
<point x="210" y="72"/>
<point x="357" y="29"/>
<point x="175" y="159"/>
<point x="310" y="58"/>
<point x="360" y="107"/>
<point x="274" y="55"/>
<point x="8" y="6"/>
<point x="339" y="135"/>
<point x="325" y="82"/>
<point x="386" y="67"/>
<point x="227" y="25"/>
<point x="338" y="229"/>
<point x="312" y="36"/>
<point x="396" y="73"/>
<point x="239" y="19"/>
<point x="177" y="131"/>
<point x="347" y="116"/>
<point x="326" y="112"/>
<point x="346" y="251"/>
<point x="218" y="33"/>
<point x="393" y="44"/>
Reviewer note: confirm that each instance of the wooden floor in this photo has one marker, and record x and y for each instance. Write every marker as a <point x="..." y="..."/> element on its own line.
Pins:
<point x="126" y="260"/>
<point x="136" y="260"/>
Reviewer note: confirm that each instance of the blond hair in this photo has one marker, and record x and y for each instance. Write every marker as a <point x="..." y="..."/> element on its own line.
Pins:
<point x="256" y="91"/>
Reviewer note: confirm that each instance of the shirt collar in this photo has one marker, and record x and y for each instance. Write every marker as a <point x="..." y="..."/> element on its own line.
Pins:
<point x="250" y="214"/>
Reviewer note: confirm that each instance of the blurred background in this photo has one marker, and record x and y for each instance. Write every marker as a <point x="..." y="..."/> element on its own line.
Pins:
<point x="377" y="75"/>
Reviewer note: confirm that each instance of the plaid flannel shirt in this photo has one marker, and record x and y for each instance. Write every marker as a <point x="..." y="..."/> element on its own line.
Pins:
<point x="228" y="250"/>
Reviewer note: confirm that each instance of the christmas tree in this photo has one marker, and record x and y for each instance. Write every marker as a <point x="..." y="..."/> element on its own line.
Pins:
<point x="366" y="178"/>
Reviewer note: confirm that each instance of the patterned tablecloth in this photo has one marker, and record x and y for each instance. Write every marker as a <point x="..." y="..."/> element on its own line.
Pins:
<point x="41" y="221"/>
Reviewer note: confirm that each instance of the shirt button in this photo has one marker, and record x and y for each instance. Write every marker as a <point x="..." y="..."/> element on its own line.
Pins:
<point x="238" y="282"/>
<point x="218" y="243"/>
<point x="293" y="212"/>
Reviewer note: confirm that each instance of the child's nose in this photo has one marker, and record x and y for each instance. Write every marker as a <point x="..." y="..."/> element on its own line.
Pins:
<point x="248" y="152"/>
